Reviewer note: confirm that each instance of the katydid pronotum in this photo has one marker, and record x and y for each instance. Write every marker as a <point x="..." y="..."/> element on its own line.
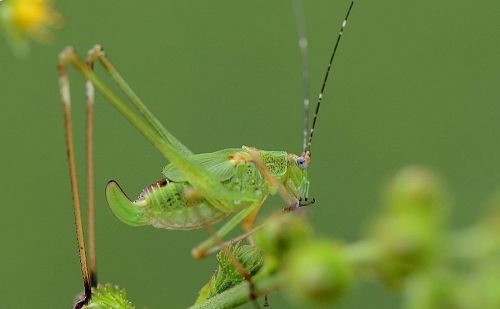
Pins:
<point x="197" y="190"/>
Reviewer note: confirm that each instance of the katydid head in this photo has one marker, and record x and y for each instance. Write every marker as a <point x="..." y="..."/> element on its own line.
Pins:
<point x="297" y="181"/>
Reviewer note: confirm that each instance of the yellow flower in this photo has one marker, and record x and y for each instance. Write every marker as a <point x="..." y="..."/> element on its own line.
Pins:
<point x="24" y="19"/>
<point x="30" y="15"/>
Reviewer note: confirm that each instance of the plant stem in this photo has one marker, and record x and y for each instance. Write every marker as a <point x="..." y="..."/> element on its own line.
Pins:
<point x="240" y="295"/>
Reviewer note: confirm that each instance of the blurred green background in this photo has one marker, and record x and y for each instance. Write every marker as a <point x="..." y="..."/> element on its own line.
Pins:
<point x="414" y="82"/>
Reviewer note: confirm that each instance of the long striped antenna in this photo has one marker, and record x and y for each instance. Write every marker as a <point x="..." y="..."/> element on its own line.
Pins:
<point x="320" y="97"/>
<point x="298" y="10"/>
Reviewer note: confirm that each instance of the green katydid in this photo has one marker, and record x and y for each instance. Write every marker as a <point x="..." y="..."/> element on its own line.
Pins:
<point x="198" y="190"/>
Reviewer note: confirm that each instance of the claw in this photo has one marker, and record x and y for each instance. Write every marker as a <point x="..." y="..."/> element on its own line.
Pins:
<point x="306" y="202"/>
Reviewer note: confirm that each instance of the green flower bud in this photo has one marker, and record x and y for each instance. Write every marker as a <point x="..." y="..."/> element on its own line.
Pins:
<point x="419" y="191"/>
<point x="492" y="220"/>
<point x="318" y="272"/>
<point x="406" y="244"/>
<point x="282" y="233"/>
<point x="481" y="289"/>
<point x="432" y="291"/>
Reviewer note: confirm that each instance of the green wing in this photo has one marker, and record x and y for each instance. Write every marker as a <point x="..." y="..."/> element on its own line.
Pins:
<point x="218" y="164"/>
<point x="214" y="191"/>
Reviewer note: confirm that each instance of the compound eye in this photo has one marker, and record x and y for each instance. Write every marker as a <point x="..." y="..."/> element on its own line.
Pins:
<point x="301" y="162"/>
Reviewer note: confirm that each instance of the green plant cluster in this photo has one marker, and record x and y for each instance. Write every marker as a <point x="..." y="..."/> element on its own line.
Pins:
<point x="226" y="276"/>
<point x="110" y="297"/>
<point x="408" y="248"/>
